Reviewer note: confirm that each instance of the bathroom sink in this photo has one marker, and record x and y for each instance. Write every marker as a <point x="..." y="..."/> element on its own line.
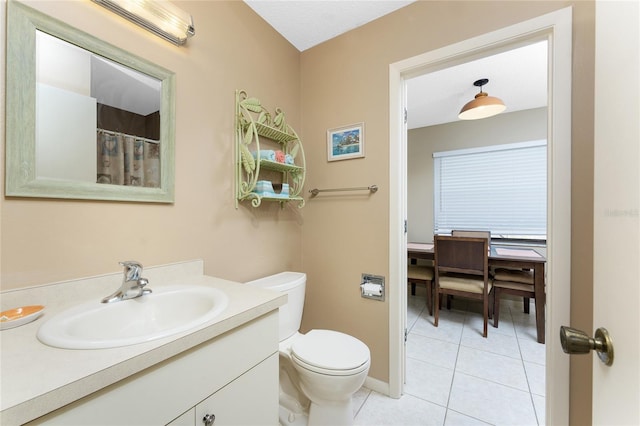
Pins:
<point x="166" y="311"/>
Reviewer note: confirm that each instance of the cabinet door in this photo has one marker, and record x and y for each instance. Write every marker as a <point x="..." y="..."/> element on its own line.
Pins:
<point x="186" y="419"/>
<point x="251" y="399"/>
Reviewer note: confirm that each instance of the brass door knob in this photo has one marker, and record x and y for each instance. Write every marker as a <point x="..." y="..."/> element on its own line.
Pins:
<point x="578" y="342"/>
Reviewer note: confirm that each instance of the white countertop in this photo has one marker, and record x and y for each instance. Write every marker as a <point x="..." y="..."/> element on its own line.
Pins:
<point x="36" y="379"/>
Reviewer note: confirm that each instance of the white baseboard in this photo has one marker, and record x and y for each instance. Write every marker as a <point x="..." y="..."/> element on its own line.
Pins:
<point x="377" y="385"/>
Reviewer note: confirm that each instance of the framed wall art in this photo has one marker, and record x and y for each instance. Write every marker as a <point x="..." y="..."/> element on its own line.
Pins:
<point x="345" y="143"/>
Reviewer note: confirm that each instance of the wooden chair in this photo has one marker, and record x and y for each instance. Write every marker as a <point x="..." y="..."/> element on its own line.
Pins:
<point x="421" y="274"/>
<point x="462" y="269"/>
<point x="472" y="234"/>
<point x="517" y="282"/>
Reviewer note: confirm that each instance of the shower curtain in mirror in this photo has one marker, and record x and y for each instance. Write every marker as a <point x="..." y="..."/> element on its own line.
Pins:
<point x="128" y="160"/>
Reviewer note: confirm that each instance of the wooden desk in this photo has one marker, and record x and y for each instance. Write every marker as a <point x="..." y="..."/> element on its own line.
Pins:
<point x="508" y="257"/>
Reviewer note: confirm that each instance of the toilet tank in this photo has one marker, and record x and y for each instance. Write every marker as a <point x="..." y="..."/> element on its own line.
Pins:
<point x="293" y="284"/>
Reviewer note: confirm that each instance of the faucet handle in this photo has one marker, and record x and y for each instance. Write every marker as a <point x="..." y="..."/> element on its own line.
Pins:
<point x="132" y="269"/>
<point x="142" y="282"/>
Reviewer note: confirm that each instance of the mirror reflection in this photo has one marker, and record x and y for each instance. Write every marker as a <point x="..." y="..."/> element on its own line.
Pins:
<point x="96" y="120"/>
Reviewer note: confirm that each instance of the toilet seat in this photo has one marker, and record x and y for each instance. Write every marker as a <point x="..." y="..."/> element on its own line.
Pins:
<point x="331" y="353"/>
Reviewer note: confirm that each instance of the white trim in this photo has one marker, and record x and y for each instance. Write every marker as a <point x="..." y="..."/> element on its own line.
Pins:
<point x="490" y="148"/>
<point x="556" y="27"/>
<point x="376" y="385"/>
<point x="397" y="232"/>
<point x="558" y="216"/>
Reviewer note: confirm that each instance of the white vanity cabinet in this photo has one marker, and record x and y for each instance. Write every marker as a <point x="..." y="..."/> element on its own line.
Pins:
<point x="233" y="376"/>
<point x="248" y="400"/>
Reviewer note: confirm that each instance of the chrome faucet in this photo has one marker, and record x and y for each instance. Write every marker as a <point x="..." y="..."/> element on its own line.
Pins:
<point x="132" y="284"/>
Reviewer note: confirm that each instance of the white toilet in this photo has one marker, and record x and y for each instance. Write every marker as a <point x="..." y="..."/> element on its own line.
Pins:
<point x="319" y="371"/>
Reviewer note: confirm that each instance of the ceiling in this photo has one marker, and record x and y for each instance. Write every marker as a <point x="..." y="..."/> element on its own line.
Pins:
<point x="111" y="83"/>
<point x="306" y="23"/>
<point x="518" y="77"/>
<point x="123" y="87"/>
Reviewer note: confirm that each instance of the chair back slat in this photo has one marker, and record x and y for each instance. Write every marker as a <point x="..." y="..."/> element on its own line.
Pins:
<point x="461" y="254"/>
<point x="473" y="234"/>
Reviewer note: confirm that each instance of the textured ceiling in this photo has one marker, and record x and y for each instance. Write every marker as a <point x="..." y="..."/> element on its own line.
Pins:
<point x="306" y="23"/>
<point x="518" y="77"/>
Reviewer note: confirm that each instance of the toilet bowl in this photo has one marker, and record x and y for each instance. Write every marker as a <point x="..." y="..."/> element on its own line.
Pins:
<point x="320" y="370"/>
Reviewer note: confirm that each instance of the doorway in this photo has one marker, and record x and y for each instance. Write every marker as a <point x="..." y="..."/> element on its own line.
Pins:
<point x="556" y="29"/>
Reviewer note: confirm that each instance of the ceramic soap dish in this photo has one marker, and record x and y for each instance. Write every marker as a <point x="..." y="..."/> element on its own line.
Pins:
<point x="20" y="316"/>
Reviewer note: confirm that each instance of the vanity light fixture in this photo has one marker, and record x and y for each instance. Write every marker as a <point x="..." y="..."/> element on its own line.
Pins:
<point x="482" y="106"/>
<point x="161" y="17"/>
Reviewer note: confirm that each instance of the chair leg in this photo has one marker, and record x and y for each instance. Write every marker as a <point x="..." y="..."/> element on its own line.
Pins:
<point x="485" y="314"/>
<point x="413" y="289"/>
<point x="430" y="297"/>
<point x="449" y="297"/>
<point x="536" y="309"/>
<point x="496" y="306"/>
<point x="437" y="307"/>
<point x="525" y="300"/>
<point x="492" y="302"/>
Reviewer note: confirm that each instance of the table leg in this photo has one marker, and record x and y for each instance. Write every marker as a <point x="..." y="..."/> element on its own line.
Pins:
<point x="538" y="277"/>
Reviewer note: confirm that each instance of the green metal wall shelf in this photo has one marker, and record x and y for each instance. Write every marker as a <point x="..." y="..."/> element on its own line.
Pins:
<point x="257" y="132"/>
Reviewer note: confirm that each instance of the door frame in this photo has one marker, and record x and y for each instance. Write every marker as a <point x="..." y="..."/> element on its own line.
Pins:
<point x="556" y="27"/>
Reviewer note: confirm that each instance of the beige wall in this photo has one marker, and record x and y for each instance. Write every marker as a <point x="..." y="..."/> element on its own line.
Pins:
<point x="335" y="237"/>
<point x="51" y="240"/>
<point x="345" y="80"/>
<point x="520" y="126"/>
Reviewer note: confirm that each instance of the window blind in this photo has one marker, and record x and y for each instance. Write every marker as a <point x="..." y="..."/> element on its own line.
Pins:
<point x="501" y="188"/>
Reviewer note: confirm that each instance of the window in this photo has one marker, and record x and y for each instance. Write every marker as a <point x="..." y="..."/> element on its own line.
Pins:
<point x="501" y="188"/>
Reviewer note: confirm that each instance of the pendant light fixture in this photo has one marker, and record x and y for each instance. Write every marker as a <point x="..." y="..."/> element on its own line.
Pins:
<point x="482" y="106"/>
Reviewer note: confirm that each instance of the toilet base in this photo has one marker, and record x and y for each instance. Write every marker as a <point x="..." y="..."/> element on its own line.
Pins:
<point x="335" y="414"/>
<point x="332" y="413"/>
<point x="289" y="418"/>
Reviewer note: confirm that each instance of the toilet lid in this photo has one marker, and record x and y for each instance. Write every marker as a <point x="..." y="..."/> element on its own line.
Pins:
<point x="330" y="350"/>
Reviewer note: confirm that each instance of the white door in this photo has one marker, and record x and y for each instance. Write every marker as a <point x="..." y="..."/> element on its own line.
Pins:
<point x="616" y="389"/>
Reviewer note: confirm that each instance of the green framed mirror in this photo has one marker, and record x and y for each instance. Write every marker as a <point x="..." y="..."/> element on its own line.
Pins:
<point x="106" y="133"/>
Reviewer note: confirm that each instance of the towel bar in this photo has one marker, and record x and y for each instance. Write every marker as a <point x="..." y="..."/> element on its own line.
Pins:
<point x="372" y="189"/>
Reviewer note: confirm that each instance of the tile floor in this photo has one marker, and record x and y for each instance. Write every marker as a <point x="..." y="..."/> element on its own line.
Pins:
<point x="456" y="377"/>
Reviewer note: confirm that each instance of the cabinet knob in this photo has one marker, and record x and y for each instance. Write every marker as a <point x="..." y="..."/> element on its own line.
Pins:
<point x="208" y="419"/>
